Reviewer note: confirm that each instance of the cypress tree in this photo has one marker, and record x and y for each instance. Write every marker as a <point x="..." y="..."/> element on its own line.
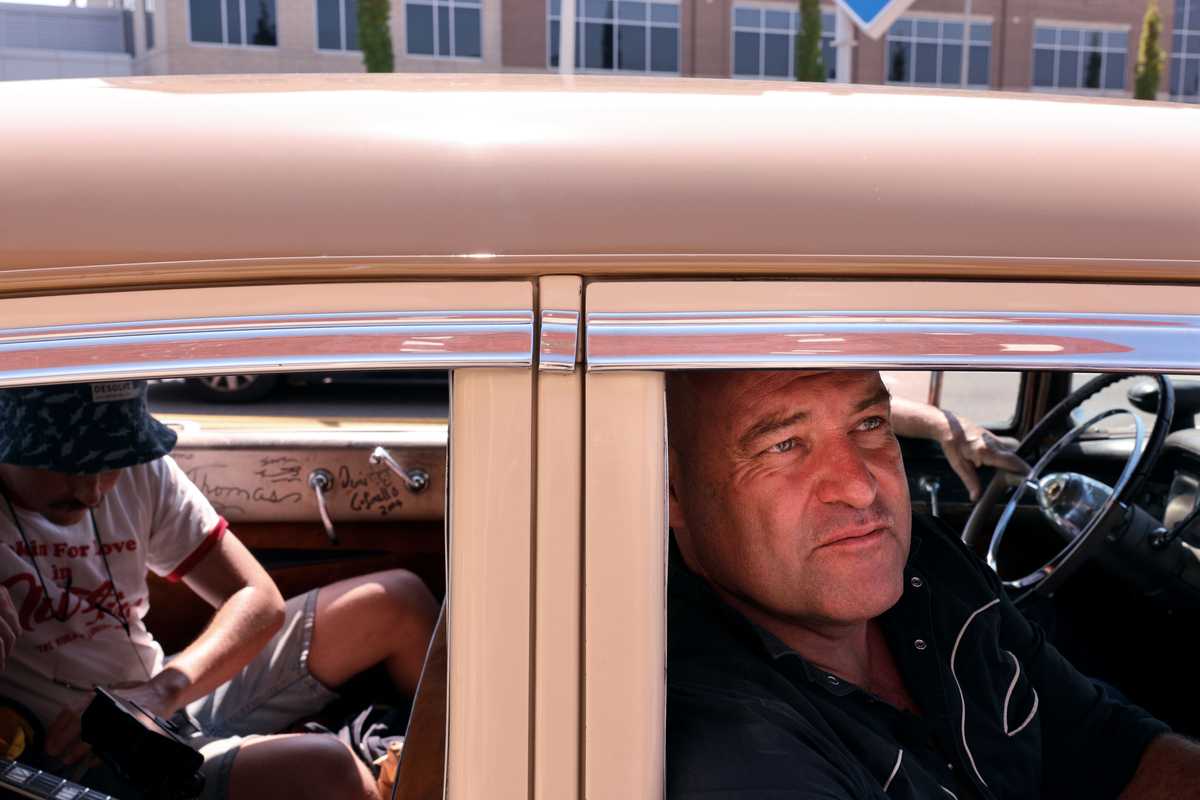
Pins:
<point x="1148" y="71"/>
<point x="374" y="36"/>
<point x="810" y="66"/>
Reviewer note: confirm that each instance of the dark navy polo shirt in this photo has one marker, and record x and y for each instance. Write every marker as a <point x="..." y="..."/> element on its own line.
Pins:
<point x="1004" y="715"/>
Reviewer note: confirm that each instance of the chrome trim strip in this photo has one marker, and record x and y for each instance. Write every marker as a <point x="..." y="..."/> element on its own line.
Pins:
<point x="275" y="343"/>
<point x="273" y="321"/>
<point x="559" y="345"/>
<point x="938" y="339"/>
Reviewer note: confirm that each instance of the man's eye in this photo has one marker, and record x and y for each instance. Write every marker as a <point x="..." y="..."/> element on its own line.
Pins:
<point x="871" y="423"/>
<point x="782" y="447"/>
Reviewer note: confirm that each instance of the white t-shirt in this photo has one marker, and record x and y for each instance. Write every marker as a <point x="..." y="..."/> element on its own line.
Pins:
<point x="153" y="518"/>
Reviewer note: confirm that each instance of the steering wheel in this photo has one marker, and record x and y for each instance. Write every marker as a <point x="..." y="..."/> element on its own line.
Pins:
<point x="1078" y="507"/>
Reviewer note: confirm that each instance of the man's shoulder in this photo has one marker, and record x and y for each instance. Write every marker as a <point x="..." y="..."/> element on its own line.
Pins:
<point x="150" y="478"/>
<point x="134" y="498"/>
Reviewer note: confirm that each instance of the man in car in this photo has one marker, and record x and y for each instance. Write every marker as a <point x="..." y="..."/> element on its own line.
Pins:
<point x="89" y="502"/>
<point x="824" y="643"/>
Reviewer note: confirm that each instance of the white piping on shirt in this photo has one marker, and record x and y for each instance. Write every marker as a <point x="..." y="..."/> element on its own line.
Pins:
<point x="962" y="700"/>
<point x="895" y="769"/>
<point x="1008" y="696"/>
<point x="947" y="791"/>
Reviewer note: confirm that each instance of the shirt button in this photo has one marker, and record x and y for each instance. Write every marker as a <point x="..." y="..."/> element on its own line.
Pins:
<point x="920" y="644"/>
<point x="915" y="582"/>
<point x="832" y="680"/>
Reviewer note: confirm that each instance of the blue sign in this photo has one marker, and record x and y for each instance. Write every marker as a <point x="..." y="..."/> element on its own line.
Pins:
<point x="874" y="17"/>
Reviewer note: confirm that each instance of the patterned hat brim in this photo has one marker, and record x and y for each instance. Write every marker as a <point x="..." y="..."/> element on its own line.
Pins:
<point x="58" y="432"/>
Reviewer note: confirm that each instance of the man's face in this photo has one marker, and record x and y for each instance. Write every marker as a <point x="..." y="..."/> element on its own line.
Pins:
<point x="788" y="492"/>
<point x="61" y="497"/>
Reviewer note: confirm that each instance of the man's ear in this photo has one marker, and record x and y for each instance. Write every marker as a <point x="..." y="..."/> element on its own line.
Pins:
<point x="674" y="506"/>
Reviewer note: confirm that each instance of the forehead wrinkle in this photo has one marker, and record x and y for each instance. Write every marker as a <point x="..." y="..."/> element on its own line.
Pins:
<point x="769" y="424"/>
<point x="769" y="386"/>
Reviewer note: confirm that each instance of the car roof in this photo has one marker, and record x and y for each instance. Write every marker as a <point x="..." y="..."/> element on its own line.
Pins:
<point x="172" y="180"/>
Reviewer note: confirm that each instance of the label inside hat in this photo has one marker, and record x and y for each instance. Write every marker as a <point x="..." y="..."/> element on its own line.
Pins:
<point x="108" y="392"/>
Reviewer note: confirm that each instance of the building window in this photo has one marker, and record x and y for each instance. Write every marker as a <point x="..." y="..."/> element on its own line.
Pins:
<point x="148" y="20"/>
<point x="233" y="21"/>
<point x="764" y="42"/>
<point x="621" y="35"/>
<point x="444" y="28"/>
<point x="1079" y="58"/>
<point x="1185" y="52"/>
<point x="929" y="51"/>
<point x="337" y="25"/>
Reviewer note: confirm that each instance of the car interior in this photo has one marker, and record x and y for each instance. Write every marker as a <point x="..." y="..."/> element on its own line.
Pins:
<point x="325" y="480"/>
<point x="1107" y="563"/>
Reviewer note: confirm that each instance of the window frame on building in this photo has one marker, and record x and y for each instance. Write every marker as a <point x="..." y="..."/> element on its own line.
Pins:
<point x="940" y="42"/>
<point x="828" y="52"/>
<point x="128" y="13"/>
<point x="616" y="21"/>
<point x="1058" y="47"/>
<point x="345" y="12"/>
<point x="1185" y="52"/>
<point x="148" y="11"/>
<point x="223" y="6"/>
<point x="451" y="6"/>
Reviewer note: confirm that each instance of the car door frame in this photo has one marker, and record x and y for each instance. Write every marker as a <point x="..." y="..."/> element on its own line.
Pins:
<point x="483" y="331"/>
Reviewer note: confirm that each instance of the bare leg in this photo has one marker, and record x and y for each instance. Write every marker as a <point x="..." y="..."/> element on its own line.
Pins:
<point x="384" y="617"/>
<point x="301" y="766"/>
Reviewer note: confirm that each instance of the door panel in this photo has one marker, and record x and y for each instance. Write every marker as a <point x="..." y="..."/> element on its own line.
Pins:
<point x="490" y="561"/>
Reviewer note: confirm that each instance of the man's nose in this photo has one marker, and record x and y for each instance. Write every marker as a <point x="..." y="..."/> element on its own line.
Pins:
<point x="88" y="490"/>
<point x="844" y="475"/>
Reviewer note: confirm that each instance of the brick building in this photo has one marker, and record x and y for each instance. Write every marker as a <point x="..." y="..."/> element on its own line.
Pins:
<point x="1072" y="46"/>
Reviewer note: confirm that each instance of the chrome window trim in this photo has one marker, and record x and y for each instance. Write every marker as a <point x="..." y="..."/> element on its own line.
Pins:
<point x="883" y="339"/>
<point x="267" y="343"/>
<point x="559" y="340"/>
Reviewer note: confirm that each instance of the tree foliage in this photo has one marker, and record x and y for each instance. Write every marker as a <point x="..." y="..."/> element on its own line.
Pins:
<point x="374" y="36"/>
<point x="810" y="65"/>
<point x="1148" y="72"/>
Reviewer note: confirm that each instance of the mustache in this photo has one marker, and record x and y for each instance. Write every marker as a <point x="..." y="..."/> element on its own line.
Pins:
<point x="67" y="505"/>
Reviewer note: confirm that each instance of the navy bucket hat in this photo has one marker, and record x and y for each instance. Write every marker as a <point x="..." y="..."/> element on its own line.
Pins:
<point x="80" y="428"/>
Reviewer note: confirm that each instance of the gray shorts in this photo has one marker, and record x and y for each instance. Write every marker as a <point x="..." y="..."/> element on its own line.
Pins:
<point x="270" y="693"/>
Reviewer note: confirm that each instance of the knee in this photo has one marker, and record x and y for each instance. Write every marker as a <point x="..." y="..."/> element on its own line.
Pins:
<point x="325" y="768"/>
<point x="406" y="594"/>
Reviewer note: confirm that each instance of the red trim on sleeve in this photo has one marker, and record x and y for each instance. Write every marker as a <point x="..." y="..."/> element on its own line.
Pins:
<point x="200" y="552"/>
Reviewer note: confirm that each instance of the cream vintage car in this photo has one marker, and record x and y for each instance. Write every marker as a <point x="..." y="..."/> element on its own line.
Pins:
<point x="557" y="245"/>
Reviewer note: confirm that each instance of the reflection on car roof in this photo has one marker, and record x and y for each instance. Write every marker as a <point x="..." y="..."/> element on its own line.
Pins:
<point x="287" y="176"/>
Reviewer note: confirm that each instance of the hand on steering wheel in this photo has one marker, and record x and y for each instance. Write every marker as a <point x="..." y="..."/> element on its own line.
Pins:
<point x="1094" y="507"/>
<point x="969" y="446"/>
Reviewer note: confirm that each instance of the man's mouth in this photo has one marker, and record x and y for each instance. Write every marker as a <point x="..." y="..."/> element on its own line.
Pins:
<point x="861" y="535"/>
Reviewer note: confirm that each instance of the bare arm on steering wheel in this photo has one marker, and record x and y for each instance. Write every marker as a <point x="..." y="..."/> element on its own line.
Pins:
<point x="967" y="446"/>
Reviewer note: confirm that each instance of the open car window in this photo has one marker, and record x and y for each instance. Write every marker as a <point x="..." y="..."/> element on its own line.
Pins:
<point x="330" y="481"/>
<point x="988" y="397"/>
<point x="1116" y="396"/>
<point x="639" y="335"/>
